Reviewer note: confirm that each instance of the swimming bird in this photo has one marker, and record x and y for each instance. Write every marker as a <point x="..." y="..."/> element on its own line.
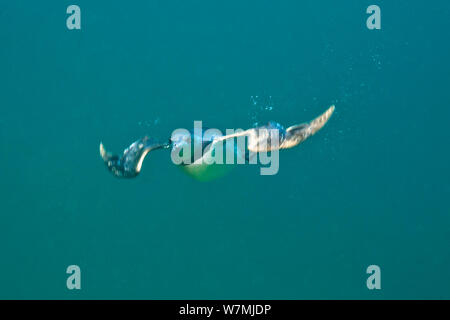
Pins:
<point x="201" y="165"/>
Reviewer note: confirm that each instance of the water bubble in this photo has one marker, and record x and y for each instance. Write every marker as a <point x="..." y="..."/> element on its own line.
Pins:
<point x="260" y="106"/>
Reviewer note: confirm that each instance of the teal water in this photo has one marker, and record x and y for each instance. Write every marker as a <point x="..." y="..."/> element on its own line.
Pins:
<point x="371" y="188"/>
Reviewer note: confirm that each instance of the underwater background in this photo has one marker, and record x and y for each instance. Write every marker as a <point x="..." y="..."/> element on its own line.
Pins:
<point x="372" y="187"/>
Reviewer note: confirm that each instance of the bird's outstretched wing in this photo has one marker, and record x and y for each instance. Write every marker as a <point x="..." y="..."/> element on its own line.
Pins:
<point x="262" y="139"/>
<point x="298" y="133"/>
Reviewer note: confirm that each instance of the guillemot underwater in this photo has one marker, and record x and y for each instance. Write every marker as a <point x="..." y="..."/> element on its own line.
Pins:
<point x="204" y="165"/>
